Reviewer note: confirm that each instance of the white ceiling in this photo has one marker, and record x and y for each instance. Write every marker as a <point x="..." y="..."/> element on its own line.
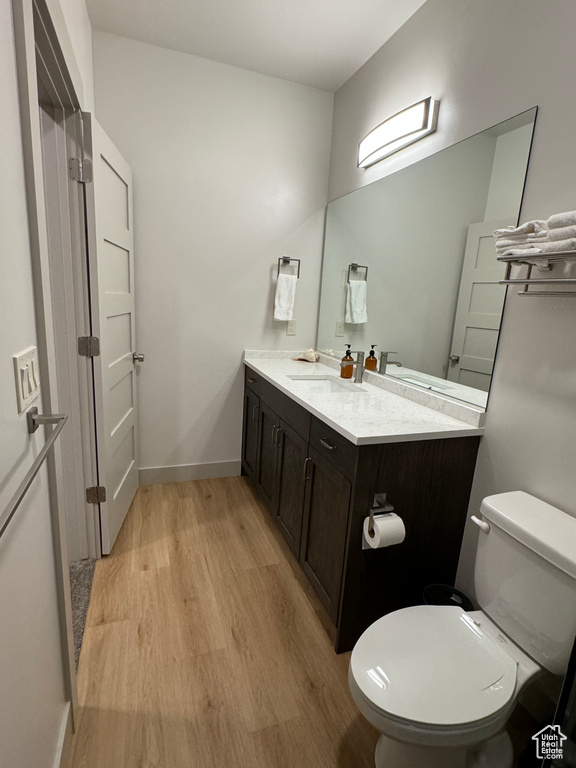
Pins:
<point x="316" y="42"/>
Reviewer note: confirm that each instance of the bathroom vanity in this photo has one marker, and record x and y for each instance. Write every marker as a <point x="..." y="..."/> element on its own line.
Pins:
<point x="318" y="449"/>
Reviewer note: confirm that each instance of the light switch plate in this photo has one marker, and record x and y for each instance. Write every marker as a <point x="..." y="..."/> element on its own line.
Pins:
<point x="291" y="328"/>
<point x="27" y="377"/>
<point x="339" y="329"/>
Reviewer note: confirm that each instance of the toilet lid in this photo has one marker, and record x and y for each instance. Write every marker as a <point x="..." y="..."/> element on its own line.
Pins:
<point x="433" y="665"/>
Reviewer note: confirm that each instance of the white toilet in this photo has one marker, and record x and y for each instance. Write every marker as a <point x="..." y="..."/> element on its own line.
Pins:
<point x="439" y="683"/>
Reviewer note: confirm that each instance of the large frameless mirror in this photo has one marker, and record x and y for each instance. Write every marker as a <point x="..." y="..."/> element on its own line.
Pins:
<point x="432" y="291"/>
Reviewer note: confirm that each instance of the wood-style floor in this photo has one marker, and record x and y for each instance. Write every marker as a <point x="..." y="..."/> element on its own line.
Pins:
<point x="204" y="645"/>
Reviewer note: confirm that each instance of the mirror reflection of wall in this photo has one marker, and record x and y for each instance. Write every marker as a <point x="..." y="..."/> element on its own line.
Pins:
<point x="425" y="233"/>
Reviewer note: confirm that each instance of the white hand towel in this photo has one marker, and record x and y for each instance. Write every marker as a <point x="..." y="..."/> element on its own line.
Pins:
<point x="566" y="219"/>
<point x="530" y="237"/>
<point x="285" y="295"/>
<point x="519" y="242"/>
<point x="562" y="233"/>
<point x="356" y="302"/>
<point x="549" y="246"/>
<point x="536" y="227"/>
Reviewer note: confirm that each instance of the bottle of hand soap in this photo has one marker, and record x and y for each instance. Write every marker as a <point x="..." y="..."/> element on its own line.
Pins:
<point x="371" y="363"/>
<point x="347" y="370"/>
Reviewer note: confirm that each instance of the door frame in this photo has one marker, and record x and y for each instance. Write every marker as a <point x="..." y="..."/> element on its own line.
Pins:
<point x="42" y="44"/>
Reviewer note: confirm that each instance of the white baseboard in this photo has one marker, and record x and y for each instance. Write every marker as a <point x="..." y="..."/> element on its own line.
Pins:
<point x="64" y="739"/>
<point x="183" y="472"/>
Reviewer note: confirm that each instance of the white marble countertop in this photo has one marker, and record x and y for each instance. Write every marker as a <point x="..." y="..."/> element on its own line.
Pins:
<point x="372" y="415"/>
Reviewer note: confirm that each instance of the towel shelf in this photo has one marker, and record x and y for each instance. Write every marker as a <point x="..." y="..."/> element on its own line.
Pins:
<point x="353" y="267"/>
<point x="543" y="262"/>
<point x="286" y="261"/>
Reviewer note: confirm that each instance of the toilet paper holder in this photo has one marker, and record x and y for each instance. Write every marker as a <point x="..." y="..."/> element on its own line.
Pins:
<point x="379" y="507"/>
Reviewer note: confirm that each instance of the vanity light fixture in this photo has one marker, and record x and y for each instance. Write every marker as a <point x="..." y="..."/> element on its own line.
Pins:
<point x="398" y="131"/>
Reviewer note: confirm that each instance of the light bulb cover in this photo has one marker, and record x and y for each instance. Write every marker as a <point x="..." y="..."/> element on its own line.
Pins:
<point x="400" y="130"/>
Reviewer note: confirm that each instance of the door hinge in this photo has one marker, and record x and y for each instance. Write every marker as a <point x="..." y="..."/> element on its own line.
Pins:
<point x="88" y="346"/>
<point x="80" y="170"/>
<point x="96" y="494"/>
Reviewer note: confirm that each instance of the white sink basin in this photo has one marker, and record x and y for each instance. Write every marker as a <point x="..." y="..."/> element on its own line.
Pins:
<point x="324" y="384"/>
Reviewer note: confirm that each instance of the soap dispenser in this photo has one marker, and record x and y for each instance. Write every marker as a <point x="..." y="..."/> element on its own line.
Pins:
<point x="347" y="370"/>
<point x="371" y="363"/>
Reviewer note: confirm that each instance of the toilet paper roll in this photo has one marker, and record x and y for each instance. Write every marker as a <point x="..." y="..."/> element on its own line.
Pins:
<point x="388" y="530"/>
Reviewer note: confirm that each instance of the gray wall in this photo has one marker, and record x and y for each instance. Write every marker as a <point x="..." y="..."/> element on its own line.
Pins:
<point x="486" y="62"/>
<point x="230" y="173"/>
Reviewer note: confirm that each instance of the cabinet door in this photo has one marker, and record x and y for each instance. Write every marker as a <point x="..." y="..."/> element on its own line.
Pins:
<point x="250" y="434"/>
<point x="293" y="451"/>
<point x="324" y="537"/>
<point x="268" y="426"/>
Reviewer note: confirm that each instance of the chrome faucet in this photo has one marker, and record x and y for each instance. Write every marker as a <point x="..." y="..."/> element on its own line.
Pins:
<point x="384" y="361"/>
<point x="358" y="364"/>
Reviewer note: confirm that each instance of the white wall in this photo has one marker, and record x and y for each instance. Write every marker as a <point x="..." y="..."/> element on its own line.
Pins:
<point x="32" y="700"/>
<point x="486" y="62"/>
<point x="230" y="172"/>
<point x="510" y="162"/>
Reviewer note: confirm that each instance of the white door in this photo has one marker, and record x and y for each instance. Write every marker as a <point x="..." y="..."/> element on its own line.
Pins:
<point x="114" y="324"/>
<point x="479" y="309"/>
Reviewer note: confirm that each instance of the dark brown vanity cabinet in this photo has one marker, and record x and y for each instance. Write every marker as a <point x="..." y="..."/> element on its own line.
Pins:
<point x="275" y="448"/>
<point x="319" y="488"/>
<point x="292" y="454"/>
<point x="324" y="530"/>
<point x="250" y="436"/>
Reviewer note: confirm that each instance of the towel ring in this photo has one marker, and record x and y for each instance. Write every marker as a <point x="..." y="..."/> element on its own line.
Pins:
<point x="354" y="267"/>
<point x="285" y="261"/>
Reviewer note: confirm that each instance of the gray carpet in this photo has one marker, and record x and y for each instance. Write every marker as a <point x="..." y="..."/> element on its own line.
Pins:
<point x="81" y="576"/>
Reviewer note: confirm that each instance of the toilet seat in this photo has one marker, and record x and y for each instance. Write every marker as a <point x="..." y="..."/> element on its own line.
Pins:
<point x="433" y="667"/>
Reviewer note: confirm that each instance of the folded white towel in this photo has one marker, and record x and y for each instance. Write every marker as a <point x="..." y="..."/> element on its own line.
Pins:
<point x="285" y="294"/>
<point x="566" y="219"/>
<point x="536" y="227"/>
<point x="562" y="233"/>
<point x="518" y="242"/>
<point x="549" y="246"/>
<point x="531" y="236"/>
<point x="356" y="302"/>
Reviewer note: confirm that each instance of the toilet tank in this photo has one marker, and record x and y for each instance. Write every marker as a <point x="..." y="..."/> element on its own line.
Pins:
<point x="525" y="575"/>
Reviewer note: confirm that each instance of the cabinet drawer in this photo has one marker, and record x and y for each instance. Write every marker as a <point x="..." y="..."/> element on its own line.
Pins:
<point x="341" y="453"/>
<point x="289" y="411"/>
<point x="286" y="408"/>
<point x="252" y="380"/>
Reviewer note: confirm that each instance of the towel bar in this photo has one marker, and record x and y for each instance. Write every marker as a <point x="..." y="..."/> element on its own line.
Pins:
<point x="33" y="420"/>
<point x="354" y="267"/>
<point x="285" y="261"/>
<point x="539" y="259"/>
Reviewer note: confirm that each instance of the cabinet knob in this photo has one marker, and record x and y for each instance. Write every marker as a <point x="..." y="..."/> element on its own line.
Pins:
<point x="306" y="468"/>
<point x="328" y="445"/>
